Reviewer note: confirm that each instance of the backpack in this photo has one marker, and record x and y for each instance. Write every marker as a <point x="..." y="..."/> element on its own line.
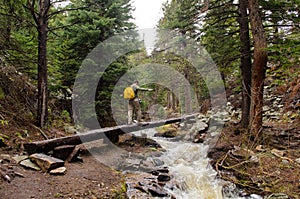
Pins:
<point x="129" y="93"/>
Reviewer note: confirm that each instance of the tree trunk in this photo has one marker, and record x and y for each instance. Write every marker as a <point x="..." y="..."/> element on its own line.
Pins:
<point x="169" y="100"/>
<point x="258" y="69"/>
<point x="8" y="21"/>
<point x="112" y="133"/>
<point x="42" y="22"/>
<point x="245" y="62"/>
<point x="188" y="98"/>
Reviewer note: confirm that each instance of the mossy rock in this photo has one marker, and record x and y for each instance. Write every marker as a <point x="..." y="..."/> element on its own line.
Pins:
<point x="168" y="131"/>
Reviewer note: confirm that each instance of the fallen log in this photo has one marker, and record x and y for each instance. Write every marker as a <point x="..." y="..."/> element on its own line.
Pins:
<point x="111" y="133"/>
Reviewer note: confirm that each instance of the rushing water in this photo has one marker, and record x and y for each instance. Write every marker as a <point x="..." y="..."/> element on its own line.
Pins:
<point x="190" y="168"/>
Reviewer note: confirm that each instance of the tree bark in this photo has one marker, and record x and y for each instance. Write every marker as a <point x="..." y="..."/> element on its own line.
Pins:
<point x="258" y="69"/>
<point x="188" y="97"/>
<point x="245" y="62"/>
<point x="42" y="23"/>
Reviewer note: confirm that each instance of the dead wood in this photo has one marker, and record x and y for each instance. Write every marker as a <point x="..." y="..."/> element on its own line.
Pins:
<point x="111" y="133"/>
<point x="5" y="176"/>
<point x="40" y="130"/>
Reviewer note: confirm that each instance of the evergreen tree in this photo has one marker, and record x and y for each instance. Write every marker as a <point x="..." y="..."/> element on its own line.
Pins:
<point x="96" y="22"/>
<point x="246" y="63"/>
<point x="220" y="34"/>
<point x="281" y="22"/>
<point x="18" y="37"/>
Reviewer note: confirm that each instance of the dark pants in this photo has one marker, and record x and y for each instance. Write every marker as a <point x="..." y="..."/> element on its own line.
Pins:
<point x="134" y="105"/>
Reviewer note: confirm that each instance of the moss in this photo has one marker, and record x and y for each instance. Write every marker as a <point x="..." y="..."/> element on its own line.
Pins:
<point x="120" y="191"/>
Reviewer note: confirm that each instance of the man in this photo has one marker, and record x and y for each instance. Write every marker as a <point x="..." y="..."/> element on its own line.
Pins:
<point x="134" y="104"/>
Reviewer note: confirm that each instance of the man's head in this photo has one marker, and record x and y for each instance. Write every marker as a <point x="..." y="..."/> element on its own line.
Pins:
<point x="136" y="81"/>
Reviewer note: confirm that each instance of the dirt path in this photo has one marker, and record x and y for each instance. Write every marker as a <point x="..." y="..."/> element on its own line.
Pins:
<point x="87" y="180"/>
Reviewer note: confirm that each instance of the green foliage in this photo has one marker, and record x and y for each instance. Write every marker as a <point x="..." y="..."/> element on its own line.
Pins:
<point x="91" y="23"/>
<point x="3" y="137"/>
<point x="22" y="135"/>
<point x="106" y="87"/>
<point x="73" y="34"/>
<point x="65" y="115"/>
<point x="3" y="122"/>
<point x="281" y="20"/>
<point x="220" y="35"/>
<point x="181" y="15"/>
<point x="17" y="36"/>
<point x="161" y="112"/>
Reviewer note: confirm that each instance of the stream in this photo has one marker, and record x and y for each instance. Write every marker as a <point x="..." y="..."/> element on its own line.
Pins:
<point x="188" y="164"/>
<point x="190" y="168"/>
<point x="191" y="175"/>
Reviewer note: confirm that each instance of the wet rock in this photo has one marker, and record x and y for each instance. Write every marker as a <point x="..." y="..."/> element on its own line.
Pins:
<point x="199" y="138"/>
<point x="46" y="162"/>
<point x="220" y="116"/>
<point x="158" y="162"/>
<point x="141" y="188"/>
<point x="199" y="127"/>
<point x="163" y="170"/>
<point x="157" y="191"/>
<point x="59" y="171"/>
<point x="156" y="172"/>
<point x="202" y="118"/>
<point x="163" y="178"/>
<point x="168" y="131"/>
<point x="146" y="166"/>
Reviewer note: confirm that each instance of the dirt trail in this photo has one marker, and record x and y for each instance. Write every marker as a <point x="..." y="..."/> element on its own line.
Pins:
<point x="87" y="180"/>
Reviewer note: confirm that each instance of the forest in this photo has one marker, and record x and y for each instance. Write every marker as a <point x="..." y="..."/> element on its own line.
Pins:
<point x="64" y="65"/>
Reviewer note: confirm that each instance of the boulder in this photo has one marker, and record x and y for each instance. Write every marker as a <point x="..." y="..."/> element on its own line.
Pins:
<point x="168" y="131"/>
<point x="163" y="177"/>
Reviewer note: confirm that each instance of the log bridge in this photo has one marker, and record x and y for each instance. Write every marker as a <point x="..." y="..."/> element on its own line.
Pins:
<point x="111" y="133"/>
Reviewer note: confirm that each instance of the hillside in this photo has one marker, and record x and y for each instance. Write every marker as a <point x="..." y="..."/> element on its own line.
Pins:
<point x="268" y="171"/>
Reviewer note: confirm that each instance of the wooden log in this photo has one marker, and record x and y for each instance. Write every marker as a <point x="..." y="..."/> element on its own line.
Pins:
<point x="45" y="162"/>
<point x="104" y="133"/>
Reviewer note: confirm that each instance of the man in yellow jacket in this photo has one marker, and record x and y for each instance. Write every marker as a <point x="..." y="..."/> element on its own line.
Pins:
<point x="134" y="104"/>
